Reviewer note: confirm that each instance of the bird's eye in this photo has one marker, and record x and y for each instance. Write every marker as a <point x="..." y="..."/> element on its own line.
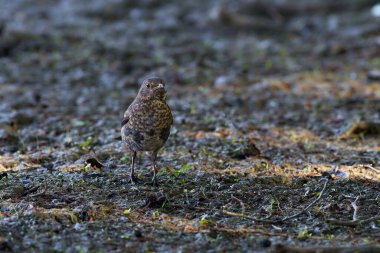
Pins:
<point x="148" y="85"/>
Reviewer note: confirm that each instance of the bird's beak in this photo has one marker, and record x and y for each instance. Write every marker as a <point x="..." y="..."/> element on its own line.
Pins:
<point x="160" y="87"/>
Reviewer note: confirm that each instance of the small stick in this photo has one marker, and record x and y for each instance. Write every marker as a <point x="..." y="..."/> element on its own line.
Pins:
<point x="241" y="203"/>
<point x="372" y="168"/>
<point x="248" y="231"/>
<point x="356" y="208"/>
<point x="259" y="231"/>
<point x="284" y="219"/>
<point x="32" y="189"/>
<point x="359" y="249"/>
<point x="248" y="217"/>
<point x="352" y="223"/>
<point x="40" y="193"/>
<point x="310" y="205"/>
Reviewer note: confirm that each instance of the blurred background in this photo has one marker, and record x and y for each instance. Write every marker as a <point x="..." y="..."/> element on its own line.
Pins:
<point x="68" y="63"/>
<point x="83" y="60"/>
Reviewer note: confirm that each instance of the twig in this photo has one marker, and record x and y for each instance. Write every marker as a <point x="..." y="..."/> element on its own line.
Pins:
<point x="278" y="205"/>
<point x="31" y="190"/>
<point x="359" y="249"/>
<point x="355" y="128"/>
<point x="284" y="219"/>
<point x="248" y="231"/>
<point x="356" y="208"/>
<point x="310" y="205"/>
<point x="190" y="207"/>
<point x="249" y="217"/>
<point x="353" y="223"/>
<point x="263" y="232"/>
<point x="241" y="203"/>
<point x="372" y="168"/>
<point x="40" y="193"/>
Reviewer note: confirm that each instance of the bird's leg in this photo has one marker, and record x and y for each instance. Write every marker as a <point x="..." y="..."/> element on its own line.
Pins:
<point x="155" y="168"/>
<point x="132" y="177"/>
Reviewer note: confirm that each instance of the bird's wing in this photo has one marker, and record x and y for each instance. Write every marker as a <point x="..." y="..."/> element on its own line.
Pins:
<point x="171" y="116"/>
<point x="124" y="121"/>
<point x="126" y="116"/>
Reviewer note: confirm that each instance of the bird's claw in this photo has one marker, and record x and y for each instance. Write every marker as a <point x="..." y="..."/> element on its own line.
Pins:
<point x="155" y="169"/>
<point x="154" y="179"/>
<point x="133" y="180"/>
<point x="154" y="183"/>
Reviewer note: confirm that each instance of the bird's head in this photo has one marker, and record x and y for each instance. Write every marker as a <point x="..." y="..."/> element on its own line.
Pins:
<point x="153" y="88"/>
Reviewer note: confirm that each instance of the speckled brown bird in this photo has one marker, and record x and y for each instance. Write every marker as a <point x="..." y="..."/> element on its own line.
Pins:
<point x="147" y="122"/>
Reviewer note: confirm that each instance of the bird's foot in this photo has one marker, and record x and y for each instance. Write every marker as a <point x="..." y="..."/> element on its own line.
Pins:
<point x="155" y="169"/>
<point x="154" y="182"/>
<point x="133" y="180"/>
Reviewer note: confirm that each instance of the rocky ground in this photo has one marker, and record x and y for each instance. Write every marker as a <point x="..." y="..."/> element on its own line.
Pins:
<point x="299" y="80"/>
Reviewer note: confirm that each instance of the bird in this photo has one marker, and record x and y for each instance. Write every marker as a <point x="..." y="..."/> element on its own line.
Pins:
<point x="146" y="123"/>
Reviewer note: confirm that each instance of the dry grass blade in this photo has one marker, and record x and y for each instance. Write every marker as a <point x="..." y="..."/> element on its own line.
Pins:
<point x="357" y="249"/>
<point x="352" y="223"/>
<point x="310" y="205"/>
<point x="242" y="215"/>
<point x="356" y="208"/>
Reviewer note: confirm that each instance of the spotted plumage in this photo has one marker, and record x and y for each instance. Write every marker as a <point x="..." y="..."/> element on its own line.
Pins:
<point x="147" y="122"/>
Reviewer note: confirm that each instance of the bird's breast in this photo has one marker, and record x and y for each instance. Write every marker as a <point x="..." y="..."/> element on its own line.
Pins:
<point x="150" y="116"/>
